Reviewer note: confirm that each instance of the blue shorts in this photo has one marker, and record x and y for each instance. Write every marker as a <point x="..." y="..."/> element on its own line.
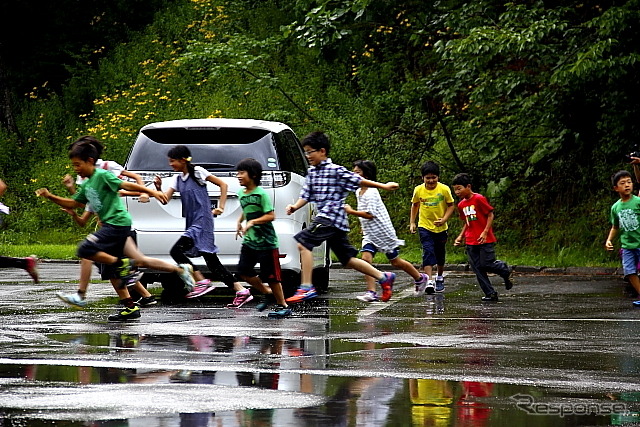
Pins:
<point x="320" y="230"/>
<point x="630" y="258"/>
<point x="370" y="247"/>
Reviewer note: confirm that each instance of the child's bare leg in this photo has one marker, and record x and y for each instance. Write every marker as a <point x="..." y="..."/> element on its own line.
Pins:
<point x="132" y="251"/>
<point x="635" y="282"/>
<point x="428" y="270"/>
<point x="86" y="265"/>
<point x="276" y="288"/>
<point x="407" y="267"/>
<point x="364" y="268"/>
<point x="370" y="281"/>
<point x="141" y="290"/>
<point x="256" y="284"/>
<point x="123" y="293"/>
<point x="306" y="264"/>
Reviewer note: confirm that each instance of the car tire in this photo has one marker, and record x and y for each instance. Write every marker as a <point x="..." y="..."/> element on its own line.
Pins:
<point x="320" y="279"/>
<point x="290" y="282"/>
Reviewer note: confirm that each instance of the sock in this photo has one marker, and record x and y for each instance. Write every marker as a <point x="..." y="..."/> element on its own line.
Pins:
<point x="246" y="291"/>
<point x="384" y="276"/>
<point x="439" y="277"/>
<point x="306" y="286"/>
<point x="81" y="293"/>
<point x="128" y="302"/>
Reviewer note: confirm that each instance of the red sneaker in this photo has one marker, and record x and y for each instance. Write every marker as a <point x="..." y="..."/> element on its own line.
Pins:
<point x="32" y="268"/>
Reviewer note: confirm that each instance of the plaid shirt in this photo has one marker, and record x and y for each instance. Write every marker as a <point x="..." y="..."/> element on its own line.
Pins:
<point x="327" y="185"/>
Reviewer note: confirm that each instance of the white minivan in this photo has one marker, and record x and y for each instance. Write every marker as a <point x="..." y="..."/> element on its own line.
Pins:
<point x="218" y="145"/>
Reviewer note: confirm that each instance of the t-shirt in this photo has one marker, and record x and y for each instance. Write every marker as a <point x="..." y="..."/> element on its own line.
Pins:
<point x="254" y="205"/>
<point x="113" y="167"/>
<point x="379" y="230"/>
<point x="100" y="190"/>
<point x="626" y="216"/>
<point x="433" y="205"/>
<point x="475" y="212"/>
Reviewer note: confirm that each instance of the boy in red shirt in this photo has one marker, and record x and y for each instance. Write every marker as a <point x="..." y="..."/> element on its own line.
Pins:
<point x="477" y="214"/>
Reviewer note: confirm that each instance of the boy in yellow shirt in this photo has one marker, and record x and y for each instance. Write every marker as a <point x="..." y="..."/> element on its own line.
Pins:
<point x="434" y="202"/>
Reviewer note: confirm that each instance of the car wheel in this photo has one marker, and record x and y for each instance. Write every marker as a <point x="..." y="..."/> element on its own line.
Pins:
<point x="290" y="282"/>
<point x="320" y="279"/>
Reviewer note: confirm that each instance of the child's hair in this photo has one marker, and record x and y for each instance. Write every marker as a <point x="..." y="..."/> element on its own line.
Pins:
<point x="83" y="151"/>
<point x="252" y="167"/>
<point x="463" y="179"/>
<point x="430" y="168"/>
<point x="317" y="140"/>
<point x="369" y="170"/>
<point x="182" y="152"/>
<point x="91" y="140"/>
<point x="618" y="176"/>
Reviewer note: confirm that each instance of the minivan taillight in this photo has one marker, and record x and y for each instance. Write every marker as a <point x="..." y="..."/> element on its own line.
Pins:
<point x="275" y="179"/>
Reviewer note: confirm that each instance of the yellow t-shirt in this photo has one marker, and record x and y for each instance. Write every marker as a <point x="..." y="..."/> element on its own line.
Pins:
<point x="433" y="205"/>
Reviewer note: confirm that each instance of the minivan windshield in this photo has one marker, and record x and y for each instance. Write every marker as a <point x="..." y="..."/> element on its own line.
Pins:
<point x="212" y="148"/>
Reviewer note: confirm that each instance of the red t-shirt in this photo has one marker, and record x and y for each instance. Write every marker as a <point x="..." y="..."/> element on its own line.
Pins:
<point x="474" y="212"/>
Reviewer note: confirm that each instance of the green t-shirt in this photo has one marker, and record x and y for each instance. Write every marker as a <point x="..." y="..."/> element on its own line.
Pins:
<point x="101" y="192"/>
<point x="626" y="216"/>
<point x="254" y="205"/>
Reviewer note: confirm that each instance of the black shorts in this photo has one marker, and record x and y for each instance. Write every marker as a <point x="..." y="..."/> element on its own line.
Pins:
<point x="110" y="239"/>
<point x="269" y="260"/>
<point x="318" y="232"/>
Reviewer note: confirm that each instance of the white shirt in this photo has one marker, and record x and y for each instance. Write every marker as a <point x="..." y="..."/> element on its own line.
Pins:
<point x="379" y="230"/>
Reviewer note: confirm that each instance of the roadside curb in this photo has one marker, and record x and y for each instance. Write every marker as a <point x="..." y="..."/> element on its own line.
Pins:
<point x="526" y="269"/>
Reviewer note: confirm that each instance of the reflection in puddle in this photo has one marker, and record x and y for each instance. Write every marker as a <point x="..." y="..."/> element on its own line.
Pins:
<point x="137" y="397"/>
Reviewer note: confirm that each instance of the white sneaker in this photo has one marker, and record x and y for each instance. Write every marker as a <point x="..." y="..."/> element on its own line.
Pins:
<point x="187" y="276"/>
<point x="369" y="296"/>
<point x="72" y="299"/>
<point x="421" y="285"/>
<point x="431" y="288"/>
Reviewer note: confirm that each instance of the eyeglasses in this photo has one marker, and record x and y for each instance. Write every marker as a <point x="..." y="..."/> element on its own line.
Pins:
<point x="310" y="152"/>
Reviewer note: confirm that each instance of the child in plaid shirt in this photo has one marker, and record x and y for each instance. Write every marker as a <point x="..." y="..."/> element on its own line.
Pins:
<point x="328" y="185"/>
<point x="378" y="234"/>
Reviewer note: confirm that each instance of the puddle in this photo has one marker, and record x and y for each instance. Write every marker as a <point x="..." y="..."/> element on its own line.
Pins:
<point x="38" y="395"/>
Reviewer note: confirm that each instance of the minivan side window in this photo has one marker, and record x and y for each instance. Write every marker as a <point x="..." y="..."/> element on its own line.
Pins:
<point x="290" y="153"/>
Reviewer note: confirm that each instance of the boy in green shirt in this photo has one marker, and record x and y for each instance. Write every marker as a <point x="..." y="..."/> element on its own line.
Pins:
<point x="625" y="219"/>
<point x="107" y="245"/>
<point x="260" y="241"/>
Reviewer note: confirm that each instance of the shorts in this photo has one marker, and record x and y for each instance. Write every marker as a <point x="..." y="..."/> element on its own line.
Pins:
<point x="269" y="260"/>
<point x="110" y="239"/>
<point x="321" y="231"/>
<point x="630" y="258"/>
<point x="370" y="247"/>
<point x="433" y="246"/>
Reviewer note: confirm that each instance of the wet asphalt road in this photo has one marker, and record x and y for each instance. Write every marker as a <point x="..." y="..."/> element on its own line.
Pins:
<point x="551" y="347"/>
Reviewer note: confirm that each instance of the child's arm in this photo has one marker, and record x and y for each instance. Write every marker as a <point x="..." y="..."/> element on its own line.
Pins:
<point x="294" y="207"/>
<point x="60" y="201"/>
<point x="239" y="229"/>
<point x="3" y="187"/>
<point x="223" y="194"/>
<point x="389" y="186"/>
<point x="447" y="214"/>
<point x="144" y="197"/>
<point x="415" y="208"/>
<point x="130" y="186"/>
<point x="483" y="235"/>
<point x="361" y="214"/>
<point x="267" y="217"/>
<point x="68" y="182"/>
<point x="460" y="237"/>
<point x="157" y="181"/>
<point x="608" y="245"/>
<point x="80" y="220"/>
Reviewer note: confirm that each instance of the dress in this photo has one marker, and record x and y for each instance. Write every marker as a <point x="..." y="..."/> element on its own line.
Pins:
<point x="196" y="209"/>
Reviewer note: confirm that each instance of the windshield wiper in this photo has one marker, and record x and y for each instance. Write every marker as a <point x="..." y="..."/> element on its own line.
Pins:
<point x="215" y="165"/>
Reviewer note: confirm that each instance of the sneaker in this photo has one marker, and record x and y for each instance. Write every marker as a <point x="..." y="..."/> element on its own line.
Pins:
<point x="440" y="284"/>
<point x="279" y="312"/>
<point x="241" y="299"/>
<point x="147" y="301"/>
<point x="369" y="296"/>
<point x="387" y="286"/>
<point x="265" y="302"/>
<point x="72" y="299"/>
<point x="508" y="284"/>
<point x="636" y="303"/>
<point x="430" y="289"/>
<point x="32" y="268"/>
<point x="125" y="314"/>
<point x="421" y="284"/>
<point x="490" y="297"/>
<point x="187" y="277"/>
<point x="200" y="290"/>
<point x="303" y="294"/>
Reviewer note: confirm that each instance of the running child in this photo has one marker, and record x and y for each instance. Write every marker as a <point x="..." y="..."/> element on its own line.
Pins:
<point x="78" y="298"/>
<point x="434" y="202"/>
<point x="477" y="231"/>
<point x="198" y="238"/>
<point x="378" y="234"/>
<point x="28" y="264"/>
<point x="107" y="244"/>
<point x="260" y="241"/>
<point x="625" y="220"/>
<point x="328" y="185"/>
